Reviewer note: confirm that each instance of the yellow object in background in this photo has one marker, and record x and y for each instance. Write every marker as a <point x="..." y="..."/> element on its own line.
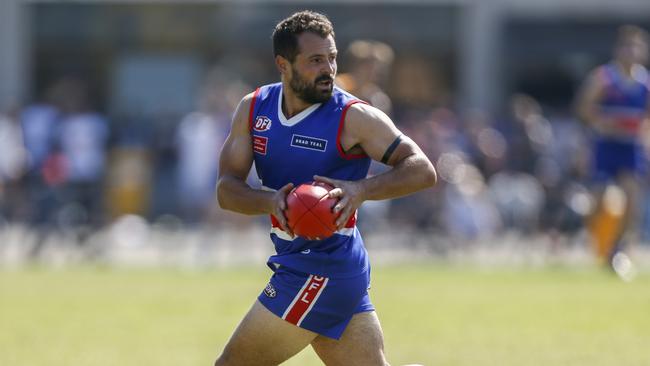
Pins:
<point x="129" y="181"/>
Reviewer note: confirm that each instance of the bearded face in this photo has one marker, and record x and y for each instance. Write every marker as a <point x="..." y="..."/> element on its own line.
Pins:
<point x="314" y="91"/>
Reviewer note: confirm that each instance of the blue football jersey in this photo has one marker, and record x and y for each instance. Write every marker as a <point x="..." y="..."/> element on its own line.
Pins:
<point x="625" y="100"/>
<point x="294" y="150"/>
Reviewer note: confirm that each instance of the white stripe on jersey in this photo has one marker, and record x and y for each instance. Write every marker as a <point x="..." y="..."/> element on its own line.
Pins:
<point x="348" y="231"/>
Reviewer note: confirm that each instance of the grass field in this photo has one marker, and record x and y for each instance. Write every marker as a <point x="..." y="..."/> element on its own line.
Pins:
<point x="431" y="315"/>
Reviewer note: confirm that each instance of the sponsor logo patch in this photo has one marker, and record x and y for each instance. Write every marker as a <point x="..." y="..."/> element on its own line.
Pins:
<point x="259" y="144"/>
<point x="269" y="291"/>
<point x="307" y="142"/>
<point x="262" y="123"/>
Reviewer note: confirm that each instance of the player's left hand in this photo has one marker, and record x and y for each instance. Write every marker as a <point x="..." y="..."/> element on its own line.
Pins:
<point x="350" y="195"/>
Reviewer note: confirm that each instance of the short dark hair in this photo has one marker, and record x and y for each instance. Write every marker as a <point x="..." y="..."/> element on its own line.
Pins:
<point x="285" y="35"/>
<point x="629" y="31"/>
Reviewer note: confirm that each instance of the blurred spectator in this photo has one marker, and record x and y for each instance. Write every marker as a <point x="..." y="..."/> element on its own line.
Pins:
<point x="82" y="138"/>
<point x="12" y="164"/>
<point x="368" y="64"/>
<point x="562" y="171"/>
<point x="416" y="83"/>
<point x="485" y="144"/>
<point x="521" y="139"/>
<point x="437" y="132"/>
<point x="517" y="128"/>
<point x="39" y="122"/>
<point x="199" y="138"/>
<point x="468" y="212"/>
<point x="519" y="198"/>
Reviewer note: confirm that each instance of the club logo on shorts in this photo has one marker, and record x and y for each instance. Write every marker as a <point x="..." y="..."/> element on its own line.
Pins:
<point x="269" y="291"/>
<point x="262" y="123"/>
<point x="307" y="142"/>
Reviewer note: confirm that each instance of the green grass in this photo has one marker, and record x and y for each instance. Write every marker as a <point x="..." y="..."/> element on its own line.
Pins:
<point x="431" y="315"/>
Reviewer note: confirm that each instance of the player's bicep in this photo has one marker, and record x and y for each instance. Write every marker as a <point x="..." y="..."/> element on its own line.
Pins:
<point x="236" y="156"/>
<point x="378" y="136"/>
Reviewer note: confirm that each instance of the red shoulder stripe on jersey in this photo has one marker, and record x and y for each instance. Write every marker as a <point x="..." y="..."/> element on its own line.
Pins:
<point x="274" y="221"/>
<point x="251" y="111"/>
<point x="343" y="154"/>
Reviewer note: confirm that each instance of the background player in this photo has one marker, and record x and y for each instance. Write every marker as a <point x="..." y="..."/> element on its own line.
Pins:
<point x="615" y="102"/>
<point x="338" y="135"/>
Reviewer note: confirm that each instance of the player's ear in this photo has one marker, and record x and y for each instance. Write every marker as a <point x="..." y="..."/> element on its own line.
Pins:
<point x="282" y="64"/>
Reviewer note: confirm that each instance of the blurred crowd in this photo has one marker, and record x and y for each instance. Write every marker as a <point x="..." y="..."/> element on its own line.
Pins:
<point x="63" y="164"/>
<point x="525" y="170"/>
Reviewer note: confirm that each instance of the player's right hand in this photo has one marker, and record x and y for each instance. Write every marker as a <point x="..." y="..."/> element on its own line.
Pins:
<point x="280" y="205"/>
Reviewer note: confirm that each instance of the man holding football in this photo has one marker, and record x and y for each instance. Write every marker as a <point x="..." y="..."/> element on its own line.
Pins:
<point x="302" y="129"/>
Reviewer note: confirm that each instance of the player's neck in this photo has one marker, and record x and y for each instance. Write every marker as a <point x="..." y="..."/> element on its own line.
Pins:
<point x="291" y="103"/>
<point x="626" y="68"/>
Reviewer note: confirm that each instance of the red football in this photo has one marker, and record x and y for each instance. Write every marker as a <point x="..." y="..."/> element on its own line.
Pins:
<point x="309" y="210"/>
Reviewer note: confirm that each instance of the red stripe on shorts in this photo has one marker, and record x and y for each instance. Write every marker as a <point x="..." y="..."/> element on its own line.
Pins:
<point x="305" y="300"/>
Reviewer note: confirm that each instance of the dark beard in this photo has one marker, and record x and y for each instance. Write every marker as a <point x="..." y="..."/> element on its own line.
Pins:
<point x="308" y="91"/>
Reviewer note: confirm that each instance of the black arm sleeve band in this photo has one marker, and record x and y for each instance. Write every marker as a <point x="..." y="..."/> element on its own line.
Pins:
<point x="390" y="149"/>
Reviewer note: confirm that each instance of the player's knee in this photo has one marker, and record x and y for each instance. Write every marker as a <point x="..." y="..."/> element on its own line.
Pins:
<point x="232" y="356"/>
<point x="377" y="359"/>
<point x="224" y="359"/>
<point x="380" y="359"/>
<point x="385" y="363"/>
<point x="375" y="355"/>
<point x="220" y="361"/>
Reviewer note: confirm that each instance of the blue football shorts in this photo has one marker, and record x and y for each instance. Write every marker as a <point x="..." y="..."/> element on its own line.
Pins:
<point x="612" y="158"/>
<point x="320" y="304"/>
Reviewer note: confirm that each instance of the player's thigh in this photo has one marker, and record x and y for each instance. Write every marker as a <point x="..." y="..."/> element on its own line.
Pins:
<point x="262" y="338"/>
<point x="361" y="344"/>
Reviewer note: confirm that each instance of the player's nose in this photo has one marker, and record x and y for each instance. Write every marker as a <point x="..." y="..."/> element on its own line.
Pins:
<point x="330" y="68"/>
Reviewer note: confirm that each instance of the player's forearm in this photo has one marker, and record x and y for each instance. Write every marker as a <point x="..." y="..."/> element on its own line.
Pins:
<point x="586" y="112"/>
<point x="593" y="118"/>
<point x="590" y="113"/>
<point x="410" y="175"/>
<point x="235" y="195"/>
